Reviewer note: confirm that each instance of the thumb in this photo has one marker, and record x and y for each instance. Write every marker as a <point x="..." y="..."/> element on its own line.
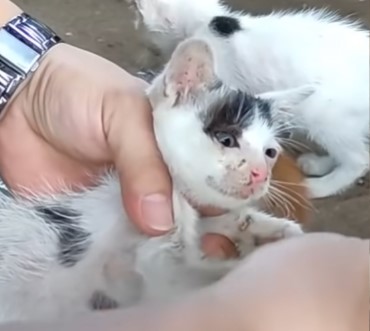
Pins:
<point x="145" y="182"/>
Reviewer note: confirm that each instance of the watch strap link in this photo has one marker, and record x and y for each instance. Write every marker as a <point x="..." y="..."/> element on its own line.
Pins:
<point x="23" y="41"/>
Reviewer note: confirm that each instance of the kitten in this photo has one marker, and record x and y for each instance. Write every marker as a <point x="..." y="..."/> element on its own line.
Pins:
<point x="76" y="252"/>
<point x="279" y="51"/>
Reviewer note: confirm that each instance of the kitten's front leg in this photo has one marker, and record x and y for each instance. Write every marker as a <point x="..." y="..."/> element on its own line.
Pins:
<point x="245" y="226"/>
<point x="261" y="224"/>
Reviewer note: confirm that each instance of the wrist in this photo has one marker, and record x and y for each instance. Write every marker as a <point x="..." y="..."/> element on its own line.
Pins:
<point x="8" y="10"/>
<point x="24" y="41"/>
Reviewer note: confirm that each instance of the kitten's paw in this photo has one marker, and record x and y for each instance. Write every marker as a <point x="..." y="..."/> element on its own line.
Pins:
<point x="292" y="230"/>
<point x="315" y="165"/>
<point x="319" y="188"/>
<point x="155" y="14"/>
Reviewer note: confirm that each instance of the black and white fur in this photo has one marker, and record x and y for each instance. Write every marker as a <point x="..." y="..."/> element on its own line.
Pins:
<point x="283" y="50"/>
<point x="78" y="252"/>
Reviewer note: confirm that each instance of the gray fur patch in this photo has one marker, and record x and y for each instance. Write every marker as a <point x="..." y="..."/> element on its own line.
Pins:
<point x="100" y="301"/>
<point x="73" y="239"/>
<point x="234" y="113"/>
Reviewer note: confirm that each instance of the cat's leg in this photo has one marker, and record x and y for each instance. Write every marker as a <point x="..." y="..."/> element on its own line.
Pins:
<point x="340" y="179"/>
<point x="243" y="228"/>
<point x="166" y="22"/>
<point x="255" y="222"/>
<point x="316" y="165"/>
<point x="340" y="125"/>
<point x="265" y="225"/>
<point x="351" y="164"/>
<point x="124" y="285"/>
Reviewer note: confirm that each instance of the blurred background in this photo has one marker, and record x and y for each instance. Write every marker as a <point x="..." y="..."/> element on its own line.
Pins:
<point x="105" y="27"/>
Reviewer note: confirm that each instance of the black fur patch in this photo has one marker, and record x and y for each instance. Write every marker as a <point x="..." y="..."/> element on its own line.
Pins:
<point x="100" y="301"/>
<point x="235" y="113"/>
<point x="73" y="239"/>
<point x="264" y="110"/>
<point x="225" y="25"/>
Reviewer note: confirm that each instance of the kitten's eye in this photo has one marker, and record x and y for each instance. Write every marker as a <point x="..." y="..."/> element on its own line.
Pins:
<point x="271" y="153"/>
<point x="226" y="139"/>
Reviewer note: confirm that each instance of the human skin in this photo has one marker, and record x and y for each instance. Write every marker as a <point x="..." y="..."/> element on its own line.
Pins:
<point x="54" y="137"/>
<point x="77" y="114"/>
<point x="318" y="282"/>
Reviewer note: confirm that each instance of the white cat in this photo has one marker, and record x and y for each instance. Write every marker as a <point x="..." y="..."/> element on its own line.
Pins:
<point x="283" y="50"/>
<point x="78" y="252"/>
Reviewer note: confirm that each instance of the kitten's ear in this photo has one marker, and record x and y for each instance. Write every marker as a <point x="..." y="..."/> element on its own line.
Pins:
<point x="190" y="70"/>
<point x="284" y="100"/>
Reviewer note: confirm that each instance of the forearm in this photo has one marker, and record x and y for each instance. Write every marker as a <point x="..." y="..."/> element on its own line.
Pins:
<point x="7" y="11"/>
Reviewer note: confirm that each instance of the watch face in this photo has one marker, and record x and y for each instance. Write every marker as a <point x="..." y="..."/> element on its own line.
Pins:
<point x="16" y="54"/>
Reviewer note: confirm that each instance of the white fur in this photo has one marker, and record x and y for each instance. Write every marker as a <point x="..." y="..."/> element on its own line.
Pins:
<point x="281" y="51"/>
<point x="119" y="261"/>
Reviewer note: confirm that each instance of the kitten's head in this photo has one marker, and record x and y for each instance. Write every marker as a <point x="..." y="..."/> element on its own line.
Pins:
<point x="220" y="144"/>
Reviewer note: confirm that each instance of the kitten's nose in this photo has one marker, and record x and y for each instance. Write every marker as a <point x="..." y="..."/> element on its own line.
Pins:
<point x="259" y="175"/>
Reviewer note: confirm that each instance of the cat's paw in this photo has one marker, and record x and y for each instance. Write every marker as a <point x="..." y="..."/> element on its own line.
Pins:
<point x="292" y="229"/>
<point x="319" y="188"/>
<point x="315" y="165"/>
<point x="155" y="14"/>
<point x="262" y="225"/>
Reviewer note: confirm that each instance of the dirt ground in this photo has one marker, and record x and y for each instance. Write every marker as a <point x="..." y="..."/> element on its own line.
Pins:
<point x="105" y="27"/>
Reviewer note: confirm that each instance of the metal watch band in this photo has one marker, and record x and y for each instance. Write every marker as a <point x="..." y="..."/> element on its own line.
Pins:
<point x="23" y="42"/>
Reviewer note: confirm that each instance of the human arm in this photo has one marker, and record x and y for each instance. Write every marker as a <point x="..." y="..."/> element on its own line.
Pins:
<point x="7" y="11"/>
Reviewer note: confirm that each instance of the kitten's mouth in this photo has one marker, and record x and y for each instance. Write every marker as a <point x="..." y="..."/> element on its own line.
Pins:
<point x="240" y="191"/>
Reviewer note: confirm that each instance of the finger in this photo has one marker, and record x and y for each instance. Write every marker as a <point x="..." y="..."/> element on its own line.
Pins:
<point x="145" y="182"/>
<point x="218" y="246"/>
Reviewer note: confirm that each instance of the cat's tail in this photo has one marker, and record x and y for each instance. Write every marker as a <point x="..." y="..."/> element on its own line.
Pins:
<point x="168" y="22"/>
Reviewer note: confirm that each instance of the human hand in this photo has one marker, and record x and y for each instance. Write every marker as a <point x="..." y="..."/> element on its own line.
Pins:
<point x="76" y="115"/>
<point x="318" y="282"/>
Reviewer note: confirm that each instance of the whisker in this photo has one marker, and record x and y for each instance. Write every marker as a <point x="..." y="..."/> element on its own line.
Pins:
<point x="285" y="186"/>
<point x="284" y="203"/>
<point x="278" y="124"/>
<point x="275" y="202"/>
<point x="288" y="183"/>
<point x="295" y="144"/>
<point x="280" y="186"/>
<point x="285" y="206"/>
<point x="293" y="196"/>
<point x="267" y="200"/>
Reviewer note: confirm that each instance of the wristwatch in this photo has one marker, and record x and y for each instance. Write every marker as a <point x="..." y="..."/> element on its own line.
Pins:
<point x="23" y="42"/>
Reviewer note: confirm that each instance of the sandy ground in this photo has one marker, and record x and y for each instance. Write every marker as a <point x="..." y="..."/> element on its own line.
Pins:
<point x="105" y="27"/>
